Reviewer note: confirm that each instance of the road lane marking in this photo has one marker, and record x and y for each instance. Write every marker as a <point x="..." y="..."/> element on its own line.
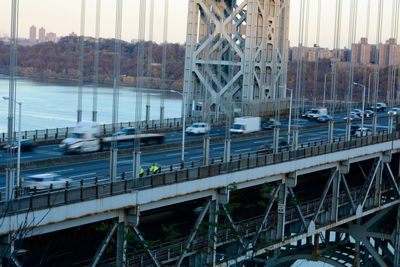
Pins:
<point x="82" y="175"/>
<point x="174" y="154"/>
<point x="64" y="170"/>
<point x="244" y="149"/>
<point x="27" y="157"/>
<point x="218" y="148"/>
<point x="259" y="142"/>
<point x="125" y="161"/>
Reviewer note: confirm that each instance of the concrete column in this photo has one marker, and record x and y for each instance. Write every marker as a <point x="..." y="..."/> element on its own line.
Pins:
<point x="10" y="178"/>
<point x="212" y="233"/>
<point x="335" y="197"/>
<point x="280" y="234"/>
<point x="136" y="164"/>
<point x="330" y="131"/>
<point x="206" y="150"/>
<point x="374" y="122"/>
<point x="227" y="149"/>
<point x="357" y="254"/>
<point x="94" y="116"/>
<point x="295" y="137"/>
<point x="348" y="129"/>
<point x="122" y="241"/>
<point x="276" y="139"/>
<point x="147" y="114"/>
<point x="113" y="163"/>
<point x="390" y="123"/>
<point x="378" y="184"/>
<point x="161" y="116"/>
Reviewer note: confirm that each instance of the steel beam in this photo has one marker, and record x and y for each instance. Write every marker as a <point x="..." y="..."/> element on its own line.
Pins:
<point x="193" y="234"/>
<point x="104" y="245"/>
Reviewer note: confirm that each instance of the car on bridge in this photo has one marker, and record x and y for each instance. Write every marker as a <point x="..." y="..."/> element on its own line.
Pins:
<point x="198" y="128"/>
<point x="125" y="131"/>
<point x="267" y="148"/>
<point x="352" y="117"/>
<point x="26" y="145"/>
<point x="358" y="112"/>
<point x="362" y="131"/>
<point x="380" y="106"/>
<point x="394" y="111"/>
<point x="324" y="118"/>
<point x="368" y="113"/>
<point x="270" y="124"/>
<point x="45" y="181"/>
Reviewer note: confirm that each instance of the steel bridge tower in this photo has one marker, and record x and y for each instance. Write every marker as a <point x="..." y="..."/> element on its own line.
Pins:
<point x="236" y="52"/>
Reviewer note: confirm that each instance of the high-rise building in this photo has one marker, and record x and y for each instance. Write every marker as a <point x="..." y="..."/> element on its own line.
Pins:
<point x="32" y="34"/>
<point x="42" y="35"/>
<point x="51" y="37"/>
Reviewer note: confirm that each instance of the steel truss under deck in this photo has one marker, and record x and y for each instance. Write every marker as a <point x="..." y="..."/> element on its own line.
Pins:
<point x="236" y="51"/>
<point x="342" y="227"/>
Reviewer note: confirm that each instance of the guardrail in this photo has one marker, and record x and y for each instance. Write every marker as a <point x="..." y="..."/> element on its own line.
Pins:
<point x="106" y="129"/>
<point x="125" y="183"/>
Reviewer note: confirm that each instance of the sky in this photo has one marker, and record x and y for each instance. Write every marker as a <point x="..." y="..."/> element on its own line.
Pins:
<point x="63" y="17"/>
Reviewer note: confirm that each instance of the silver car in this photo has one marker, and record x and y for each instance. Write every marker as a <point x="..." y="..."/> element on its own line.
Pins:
<point x="44" y="181"/>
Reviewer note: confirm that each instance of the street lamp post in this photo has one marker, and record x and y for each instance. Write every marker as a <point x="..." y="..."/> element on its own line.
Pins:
<point x="363" y="103"/>
<point x="19" y="141"/>
<point x="183" y="124"/>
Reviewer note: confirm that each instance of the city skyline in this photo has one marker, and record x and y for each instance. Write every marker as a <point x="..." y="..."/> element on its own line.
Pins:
<point x="53" y="14"/>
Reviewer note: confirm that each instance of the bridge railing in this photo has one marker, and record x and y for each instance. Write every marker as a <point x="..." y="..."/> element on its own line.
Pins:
<point x="106" y="129"/>
<point x="26" y="201"/>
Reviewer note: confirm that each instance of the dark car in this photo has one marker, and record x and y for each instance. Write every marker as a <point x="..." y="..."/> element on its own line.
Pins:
<point x="268" y="147"/>
<point x="324" y="118"/>
<point x="270" y="124"/>
<point x="353" y="129"/>
<point x="125" y="131"/>
<point x="26" y="145"/>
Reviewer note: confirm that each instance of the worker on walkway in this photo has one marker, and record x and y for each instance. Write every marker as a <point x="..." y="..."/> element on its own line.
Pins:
<point x="141" y="172"/>
<point x="154" y="168"/>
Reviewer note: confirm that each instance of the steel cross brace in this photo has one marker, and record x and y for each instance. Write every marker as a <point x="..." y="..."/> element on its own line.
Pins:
<point x="327" y="186"/>
<point x="363" y="197"/>
<point x="103" y="245"/>
<point x="139" y="235"/>
<point x="193" y="234"/>
<point x="267" y="211"/>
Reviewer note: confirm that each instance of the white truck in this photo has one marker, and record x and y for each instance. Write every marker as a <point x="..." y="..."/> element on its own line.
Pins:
<point x="86" y="137"/>
<point x="246" y="124"/>
<point x="315" y="113"/>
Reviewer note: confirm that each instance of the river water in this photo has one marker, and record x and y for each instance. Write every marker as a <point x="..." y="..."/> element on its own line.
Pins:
<point x="51" y="106"/>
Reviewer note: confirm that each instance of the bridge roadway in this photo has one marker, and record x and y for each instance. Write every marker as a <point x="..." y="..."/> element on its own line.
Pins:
<point x="311" y="131"/>
<point x="126" y="199"/>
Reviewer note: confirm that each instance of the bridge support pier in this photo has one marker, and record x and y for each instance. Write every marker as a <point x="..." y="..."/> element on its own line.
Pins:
<point x="330" y="131"/>
<point x="147" y="114"/>
<point x="206" y="150"/>
<point x="162" y="108"/>
<point x="113" y="163"/>
<point x="136" y="164"/>
<point x="374" y="122"/>
<point x="122" y="243"/>
<point x="390" y="123"/>
<point x="348" y="129"/>
<point x="227" y="149"/>
<point x="276" y="139"/>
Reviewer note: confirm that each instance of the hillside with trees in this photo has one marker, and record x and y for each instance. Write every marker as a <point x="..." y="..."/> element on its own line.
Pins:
<point x="59" y="62"/>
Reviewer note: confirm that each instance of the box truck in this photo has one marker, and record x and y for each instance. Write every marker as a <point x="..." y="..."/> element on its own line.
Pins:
<point x="246" y="125"/>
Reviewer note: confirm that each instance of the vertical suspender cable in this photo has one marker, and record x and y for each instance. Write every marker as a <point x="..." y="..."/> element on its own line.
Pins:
<point x="12" y="94"/>
<point x="116" y="85"/>
<point x="368" y="17"/>
<point x="139" y="85"/>
<point x="150" y="60"/>
<point x="351" y="41"/>
<point x="164" y="61"/>
<point x="393" y="56"/>
<point x="96" y="60"/>
<point x="299" y="70"/>
<point x="315" y="91"/>
<point x="81" y="59"/>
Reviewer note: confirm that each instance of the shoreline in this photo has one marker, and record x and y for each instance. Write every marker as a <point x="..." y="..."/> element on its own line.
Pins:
<point x="74" y="83"/>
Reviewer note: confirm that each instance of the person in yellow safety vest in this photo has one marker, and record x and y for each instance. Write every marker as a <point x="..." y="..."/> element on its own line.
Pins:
<point x="141" y="172"/>
<point x="154" y="168"/>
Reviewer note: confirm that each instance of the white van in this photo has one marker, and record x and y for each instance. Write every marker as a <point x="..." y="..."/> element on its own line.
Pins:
<point x="198" y="128"/>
